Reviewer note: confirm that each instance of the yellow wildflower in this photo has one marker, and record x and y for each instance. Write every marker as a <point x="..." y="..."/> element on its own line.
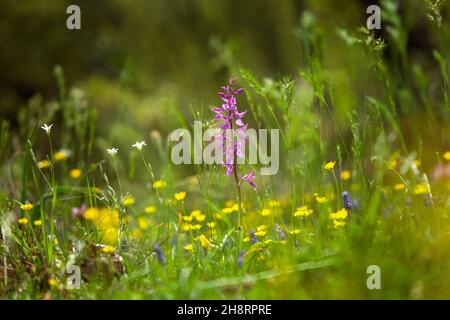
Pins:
<point x="447" y="155"/>
<point x="23" y="221"/>
<point x="320" y="199"/>
<point x="329" y="165"/>
<point x="205" y="242"/>
<point x="211" y="224"/>
<point x="143" y="223"/>
<point x="295" y="231"/>
<point x="266" y="212"/>
<point x="189" y="247"/>
<point x="246" y="239"/>
<point x="110" y="236"/>
<point x="150" y="209"/>
<point x="229" y="203"/>
<point x="218" y="216"/>
<point x="339" y="223"/>
<point x="187" y="218"/>
<point x="136" y="233"/>
<point x="303" y="212"/>
<point x="37" y="223"/>
<point x="129" y="201"/>
<point x="200" y="217"/>
<point x="340" y="214"/>
<point x="75" y="173"/>
<point x="26" y="206"/>
<point x="61" y="155"/>
<point x="52" y="282"/>
<point x="108" y="249"/>
<point x="261" y="233"/>
<point x="274" y="203"/>
<point x="43" y="164"/>
<point x="179" y="196"/>
<point x="420" y="189"/>
<point x="262" y="227"/>
<point x="345" y="175"/>
<point x="399" y="186"/>
<point x="195" y="213"/>
<point x="159" y="184"/>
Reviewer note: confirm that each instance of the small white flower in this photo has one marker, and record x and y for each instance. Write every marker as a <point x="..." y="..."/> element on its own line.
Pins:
<point x="112" y="151"/>
<point x="139" y="145"/>
<point x="47" y="128"/>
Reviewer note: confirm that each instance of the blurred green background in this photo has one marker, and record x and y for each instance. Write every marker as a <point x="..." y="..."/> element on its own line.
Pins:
<point x="137" y="59"/>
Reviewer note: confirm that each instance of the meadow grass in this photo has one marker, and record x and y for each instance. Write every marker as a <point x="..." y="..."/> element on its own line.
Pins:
<point x="139" y="227"/>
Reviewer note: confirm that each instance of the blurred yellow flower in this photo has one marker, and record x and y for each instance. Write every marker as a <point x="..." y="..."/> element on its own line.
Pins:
<point x="399" y="186"/>
<point x="320" y="199"/>
<point x="421" y="189"/>
<point x="205" y="242"/>
<point x="189" y="247"/>
<point x="179" y="196"/>
<point x="262" y="227"/>
<point x="75" y="173"/>
<point x="159" y="184"/>
<point x="200" y="217"/>
<point x="187" y="218"/>
<point x="150" y="209"/>
<point x="136" y="233"/>
<point x="218" y="216"/>
<point x="345" y="175"/>
<point x="329" y="165"/>
<point x="52" y="282"/>
<point x="295" y="231"/>
<point x="106" y="221"/>
<point x="260" y="233"/>
<point x="274" y="203"/>
<point x="108" y="249"/>
<point x="340" y="214"/>
<point x="23" y="221"/>
<point x="43" y="164"/>
<point x="338" y="223"/>
<point x="303" y="212"/>
<point x="447" y="155"/>
<point x="143" y="223"/>
<point x="211" y="224"/>
<point x="196" y="213"/>
<point x="61" y="155"/>
<point x="266" y="212"/>
<point x="26" y="206"/>
<point x="37" y="223"/>
<point x="129" y="201"/>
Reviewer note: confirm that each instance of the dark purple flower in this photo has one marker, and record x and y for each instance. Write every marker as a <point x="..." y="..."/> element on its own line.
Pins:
<point x="159" y="254"/>
<point x="347" y="200"/>
<point x="241" y="258"/>
<point x="280" y="232"/>
<point x="253" y="237"/>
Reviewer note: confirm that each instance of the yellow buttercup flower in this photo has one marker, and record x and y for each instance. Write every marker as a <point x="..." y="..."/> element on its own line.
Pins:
<point x="37" y="223"/>
<point x="129" y="201"/>
<point x="189" y="247"/>
<point x="108" y="249"/>
<point x="200" y="217"/>
<point x="447" y="155"/>
<point x="143" y="223"/>
<point x="218" y="216"/>
<point x="52" y="282"/>
<point x="23" y="221"/>
<point x="150" y="209"/>
<point x="420" y="189"/>
<point x="266" y="212"/>
<point x="295" y="231"/>
<point x="205" y="242"/>
<point x="345" y="175"/>
<point x="43" y="164"/>
<point x="179" y="196"/>
<point x="211" y="224"/>
<point x="303" y="212"/>
<point x="196" y="213"/>
<point x="107" y="222"/>
<point x="339" y="224"/>
<point x="159" y="184"/>
<point x="261" y="233"/>
<point x="320" y="199"/>
<point x="62" y="155"/>
<point x="75" y="173"/>
<point x="26" y="206"/>
<point x="262" y="227"/>
<point x="187" y="218"/>
<point x="329" y="165"/>
<point x="399" y="186"/>
<point x="340" y="214"/>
